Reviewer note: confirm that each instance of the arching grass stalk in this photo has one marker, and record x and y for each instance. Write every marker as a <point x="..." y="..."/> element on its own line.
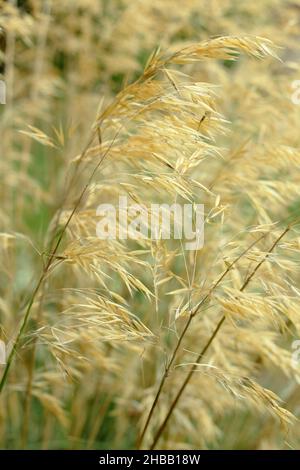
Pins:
<point x="182" y="335"/>
<point x="209" y="342"/>
<point x="49" y="264"/>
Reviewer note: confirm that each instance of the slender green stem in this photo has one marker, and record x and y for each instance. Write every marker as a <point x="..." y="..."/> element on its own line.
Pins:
<point x="47" y="267"/>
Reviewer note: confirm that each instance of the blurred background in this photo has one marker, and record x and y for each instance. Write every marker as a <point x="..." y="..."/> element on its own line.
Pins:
<point x="101" y="332"/>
